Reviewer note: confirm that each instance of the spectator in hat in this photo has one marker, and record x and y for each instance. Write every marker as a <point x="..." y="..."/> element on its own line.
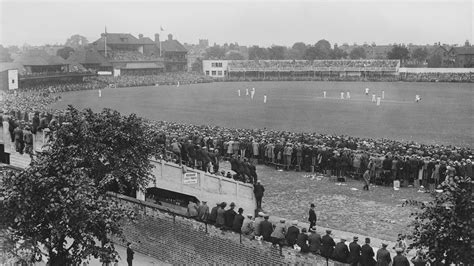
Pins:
<point x="28" y="140"/>
<point x="257" y="223"/>
<point x="367" y="254"/>
<point x="327" y="245"/>
<point x="302" y="241"/>
<point x="312" y="216"/>
<point x="354" y="252"/>
<point x="238" y="221"/>
<point x="400" y="259"/>
<point x="203" y="211"/>
<point x="383" y="256"/>
<point x="258" y="190"/>
<point x="213" y="215"/>
<point x="248" y="227"/>
<point x="19" y="142"/>
<point x="229" y="216"/>
<point x="278" y="234"/>
<point x="341" y="251"/>
<point x="266" y="228"/>
<point x="292" y="233"/>
<point x="220" y="220"/>
<point x="314" y="240"/>
<point x="419" y="259"/>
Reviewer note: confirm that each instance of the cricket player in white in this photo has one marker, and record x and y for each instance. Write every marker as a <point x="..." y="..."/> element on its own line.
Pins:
<point x="342" y="95"/>
<point x="264" y="98"/>
<point x="252" y="93"/>
<point x="378" y="101"/>
<point x="100" y="93"/>
<point x="238" y="91"/>
<point x="373" y="97"/>
<point x="324" y="94"/>
<point x="366" y="91"/>
<point x="383" y="94"/>
<point x="247" y="92"/>
<point x="348" y="95"/>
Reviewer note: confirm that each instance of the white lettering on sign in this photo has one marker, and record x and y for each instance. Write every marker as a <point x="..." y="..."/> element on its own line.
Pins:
<point x="190" y="178"/>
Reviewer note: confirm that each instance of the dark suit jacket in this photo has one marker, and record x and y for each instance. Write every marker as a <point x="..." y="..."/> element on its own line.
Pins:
<point x="312" y="216"/>
<point x="367" y="255"/>
<point x="327" y="247"/>
<point x="266" y="229"/>
<point x="292" y="235"/>
<point x="314" y="242"/>
<point x="341" y="252"/>
<point x="354" y="252"/>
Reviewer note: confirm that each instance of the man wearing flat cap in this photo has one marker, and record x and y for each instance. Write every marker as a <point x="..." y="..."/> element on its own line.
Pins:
<point x="400" y="259"/>
<point x="354" y="252"/>
<point x="258" y="220"/>
<point x="367" y="254"/>
<point x="341" y="251"/>
<point x="383" y="256"/>
<point x="292" y="233"/>
<point x="314" y="240"/>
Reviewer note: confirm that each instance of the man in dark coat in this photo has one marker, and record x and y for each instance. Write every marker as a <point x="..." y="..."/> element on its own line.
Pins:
<point x="341" y="251"/>
<point x="327" y="247"/>
<point x="312" y="216"/>
<point x="266" y="229"/>
<point x="367" y="254"/>
<point x="354" y="252"/>
<point x="399" y="259"/>
<point x="238" y="221"/>
<point x="229" y="216"/>
<point x="258" y="190"/>
<point x="302" y="241"/>
<point x="292" y="233"/>
<point x="130" y="253"/>
<point x="383" y="256"/>
<point x="213" y="215"/>
<point x="314" y="240"/>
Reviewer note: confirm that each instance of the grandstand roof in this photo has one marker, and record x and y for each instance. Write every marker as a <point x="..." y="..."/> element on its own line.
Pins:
<point x="39" y="58"/>
<point x="172" y="46"/>
<point x="146" y="40"/>
<point x="88" y="56"/>
<point x="11" y="65"/>
<point x="463" y="50"/>
<point x="144" y="65"/>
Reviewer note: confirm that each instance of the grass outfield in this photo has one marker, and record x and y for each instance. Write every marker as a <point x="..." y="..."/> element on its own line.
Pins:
<point x="444" y="115"/>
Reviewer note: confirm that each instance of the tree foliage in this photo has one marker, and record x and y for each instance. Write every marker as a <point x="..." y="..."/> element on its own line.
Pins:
<point x="358" y="53"/>
<point x="5" y="54"/>
<point x="435" y="60"/>
<point x="443" y="226"/>
<point x="234" y="55"/>
<point x="399" y="52"/>
<point x="215" y="52"/>
<point x="60" y="201"/>
<point x="320" y="51"/>
<point x="420" y="54"/>
<point x="65" y="52"/>
<point x="277" y="52"/>
<point x="76" y="41"/>
<point x="258" y="53"/>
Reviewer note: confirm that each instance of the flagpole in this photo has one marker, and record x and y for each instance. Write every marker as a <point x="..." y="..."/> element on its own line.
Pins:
<point x="105" y="43"/>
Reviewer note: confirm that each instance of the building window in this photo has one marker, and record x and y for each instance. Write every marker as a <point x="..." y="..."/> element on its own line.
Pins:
<point x="207" y="72"/>
<point x="213" y="73"/>
<point x="219" y="73"/>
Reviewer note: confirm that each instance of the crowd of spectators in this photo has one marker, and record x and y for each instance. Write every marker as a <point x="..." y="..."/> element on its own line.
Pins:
<point x="437" y="77"/>
<point x="312" y="65"/>
<point x="152" y="80"/>
<point x="126" y="55"/>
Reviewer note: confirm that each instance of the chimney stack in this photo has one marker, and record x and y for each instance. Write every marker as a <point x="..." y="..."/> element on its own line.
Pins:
<point x="170" y="37"/>
<point x="157" y="38"/>
<point x="140" y="36"/>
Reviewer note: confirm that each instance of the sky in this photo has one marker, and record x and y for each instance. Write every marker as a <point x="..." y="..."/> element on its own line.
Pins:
<point x="261" y="22"/>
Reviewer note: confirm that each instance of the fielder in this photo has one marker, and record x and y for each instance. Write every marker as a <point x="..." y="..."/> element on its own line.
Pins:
<point x="348" y="95"/>
<point x="247" y="92"/>
<point x="100" y="93"/>
<point x="264" y="98"/>
<point x="367" y="91"/>
<point x="373" y="98"/>
<point x="324" y="94"/>
<point x="238" y="91"/>
<point x="342" y="95"/>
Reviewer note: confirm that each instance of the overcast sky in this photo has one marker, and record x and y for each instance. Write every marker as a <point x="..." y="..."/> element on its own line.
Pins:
<point x="246" y="22"/>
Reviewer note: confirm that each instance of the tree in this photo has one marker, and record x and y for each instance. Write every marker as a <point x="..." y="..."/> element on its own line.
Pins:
<point x="420" y="54"/>
<point x="234" y="55"/>
<point x="443" y="227"/>
<point x="398" y="52"/>
<point x="435" y="60"/>
<point x="277" y="52"/>
<point x="197" y="65"/>
<point x="65" y="52"/>
<point x="338" y="53"/>
<point x="258" y="53"/>
<point x="358" y="53"/>
<point x="76" y="41"/>
<point x="215" y="52"/>
<point x="5" y="54"/>
<point x="60" y="202"/>
<point x="320" y="51"/>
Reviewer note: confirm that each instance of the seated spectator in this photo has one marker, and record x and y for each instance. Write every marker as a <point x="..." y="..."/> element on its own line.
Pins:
<point x="266" y="228"/>
<point x="248" y="227"/>
<point x="302" y="241"/>
<point x="314" y="240"/>
<point x="278" y="234"/>
<point x="292" y="233"/>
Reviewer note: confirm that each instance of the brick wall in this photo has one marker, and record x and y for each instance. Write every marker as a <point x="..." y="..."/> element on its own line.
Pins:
<point x="178" y="240"/>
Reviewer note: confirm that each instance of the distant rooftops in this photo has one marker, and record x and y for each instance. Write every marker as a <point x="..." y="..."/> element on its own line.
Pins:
<point x="39" y="58"/>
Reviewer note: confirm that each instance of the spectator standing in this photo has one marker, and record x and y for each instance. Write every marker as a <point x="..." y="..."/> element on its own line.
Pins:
<point x="312" y="216"/>
<point x="28" y="140"/>
<point x="354" y="252"/>
<point x="314" y="240"/>
<point x="238" y="221"/>
<point x="213" y="215"/>
<point x="327" y="245"/>
<point x="367" y="254"/>
<point x="419" y="259"/>
<point x="203" y="211"/>
<point x="220" y="220"/>
<point x="341" y="251"/>
<point x="192" y="210"/>
<point x="266" y="228"/>
<point x="383" y="256"/>
<point x="366" y="177"/>
<point x="130" y="253"/>
<point x="292" y="233"/>
<point x="258" y="190"/>
<point x="400" y="259"/>
<point x="229" y="216"/>
<point x="18" y="134"/>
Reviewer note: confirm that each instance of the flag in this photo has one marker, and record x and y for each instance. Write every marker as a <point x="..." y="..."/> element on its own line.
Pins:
<point x="161" y="28"/>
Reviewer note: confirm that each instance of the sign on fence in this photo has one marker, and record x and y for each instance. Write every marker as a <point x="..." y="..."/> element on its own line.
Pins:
<point x="190" y="178"/>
